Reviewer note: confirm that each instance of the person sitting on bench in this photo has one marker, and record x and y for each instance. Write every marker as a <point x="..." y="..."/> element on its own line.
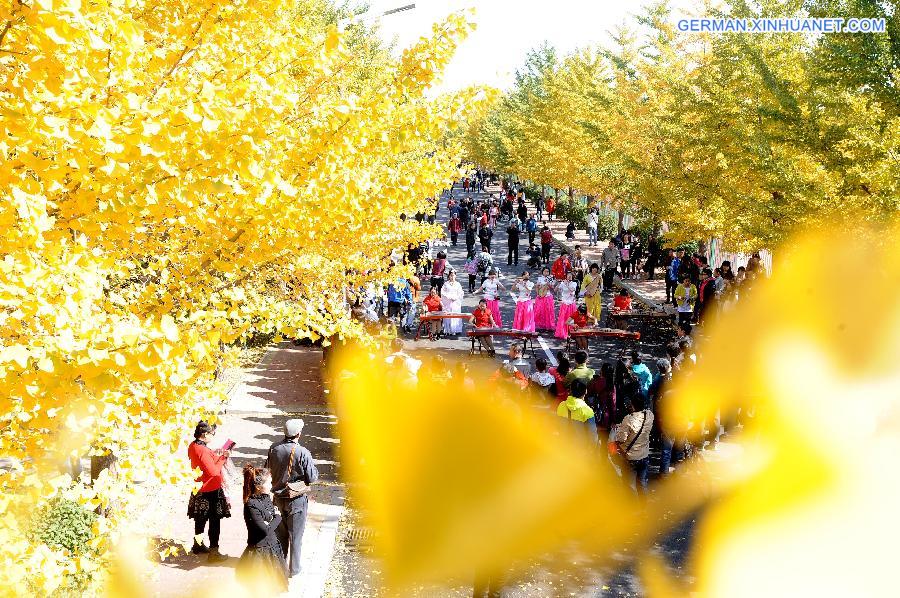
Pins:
<point x="482" y="318"/>
<point x="581" y="319"/>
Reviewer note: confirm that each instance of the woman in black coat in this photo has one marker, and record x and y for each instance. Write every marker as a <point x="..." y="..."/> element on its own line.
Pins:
<point x="262" y="567"/>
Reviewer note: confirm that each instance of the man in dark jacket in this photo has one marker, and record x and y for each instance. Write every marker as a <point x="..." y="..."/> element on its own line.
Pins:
<point x="512" y="242"/>
<point x="290" y="462"/>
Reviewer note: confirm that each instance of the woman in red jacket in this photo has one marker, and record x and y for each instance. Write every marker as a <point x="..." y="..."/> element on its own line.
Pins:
<point x="209" y="504"/>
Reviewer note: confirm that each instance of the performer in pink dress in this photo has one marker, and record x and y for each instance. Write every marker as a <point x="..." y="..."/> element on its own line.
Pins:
<point x="524" y="316"/>
<point x="568" y="297"/>
<point x="544" y="308"/>
<point x="491" y="289"/>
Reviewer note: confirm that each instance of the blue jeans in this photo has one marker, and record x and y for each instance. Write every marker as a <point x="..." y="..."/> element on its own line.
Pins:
<point x="641" y="468"/>
<point x="592" y="235"/>
<point x="665" y="455"/>
<point x="411" y="316"/>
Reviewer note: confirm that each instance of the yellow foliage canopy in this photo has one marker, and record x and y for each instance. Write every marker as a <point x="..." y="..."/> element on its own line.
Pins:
<point x="177" y="176"/>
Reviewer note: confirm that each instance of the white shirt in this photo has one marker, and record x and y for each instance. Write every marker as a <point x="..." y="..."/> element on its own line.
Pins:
<point x="592" y="220"/>
<point x="523" y="291"/>
<point x="542" y="378"/>
<point x="451" y="291"/>
<point x="490" y="288"/>
<point x="567" y="292"/>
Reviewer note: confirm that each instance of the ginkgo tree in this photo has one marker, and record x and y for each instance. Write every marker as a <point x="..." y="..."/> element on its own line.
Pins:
<point x="178" y="176"/>
<point x="739" y="136"/>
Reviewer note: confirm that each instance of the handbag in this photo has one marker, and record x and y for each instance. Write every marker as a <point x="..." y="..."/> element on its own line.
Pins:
<point x="297" y="488"/>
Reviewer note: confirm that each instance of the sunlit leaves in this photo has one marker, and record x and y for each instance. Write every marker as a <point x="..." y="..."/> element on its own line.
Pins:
<point x="177" y="177"/>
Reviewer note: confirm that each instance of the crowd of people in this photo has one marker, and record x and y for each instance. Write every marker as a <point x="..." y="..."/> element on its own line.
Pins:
<point x="618" y="402"/>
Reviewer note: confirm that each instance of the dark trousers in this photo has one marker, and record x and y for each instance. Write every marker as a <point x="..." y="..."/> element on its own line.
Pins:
<point x="531" y="237"/>
<point x="470" y="247"/>
<point x="608" y="274"/>
<point x="512" y="256"/>
<point x="437" y="282"/>
<point x="290" y="532"/>
<point x="545" y="252"/>
<point x="684" y="317"/>
<point x="394" y="309"/>
<point x="671" y="285"/>
<point x="472" y="283"/>
<point x="453" y="237"/>
<point x="214" y="522"/>
<point x="641" y="468"/>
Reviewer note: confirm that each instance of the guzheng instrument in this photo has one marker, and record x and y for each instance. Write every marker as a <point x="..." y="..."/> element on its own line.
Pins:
<point x="528" y="337"/>
<point x="600" y="332"/>
<point x="431" y="316"/>
<point x="606" y="332"/>
<point x="502" y="332"/>
<point x="439" y="315"/>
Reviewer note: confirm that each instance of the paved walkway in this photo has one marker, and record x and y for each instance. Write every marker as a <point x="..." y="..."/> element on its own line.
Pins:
<point x="284" y="384"/>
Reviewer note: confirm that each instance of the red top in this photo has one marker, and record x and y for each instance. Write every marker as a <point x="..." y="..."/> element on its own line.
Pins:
<point x="560" y="267"/>
<point x="620" y="302"/>
<point x="550" y="204"/>
<point x="580" y="319"/>
<point x="484" y="219"/>
<point x="562" y="393"/>
<point x="482" y="318"/>
<point x="433" y="303"/>
<point x="210" y="465"/>
<point x="546" y="237"/>
<point x="455" y="225"/>
<point x="437" y="267"/>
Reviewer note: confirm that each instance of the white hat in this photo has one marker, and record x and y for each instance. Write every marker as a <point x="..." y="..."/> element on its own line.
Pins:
<point x="293" y="427"/>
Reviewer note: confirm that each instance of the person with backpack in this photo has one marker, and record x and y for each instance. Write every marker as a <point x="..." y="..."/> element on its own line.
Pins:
<point x="485" y="262"/>
<point x="546" y="244"/>
<point x="632" y="439"/>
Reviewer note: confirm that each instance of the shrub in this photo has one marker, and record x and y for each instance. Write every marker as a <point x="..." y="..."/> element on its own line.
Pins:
<point x="64" y="524"/>
<point x="607" y="227"/>
<point x="572" y="211"/>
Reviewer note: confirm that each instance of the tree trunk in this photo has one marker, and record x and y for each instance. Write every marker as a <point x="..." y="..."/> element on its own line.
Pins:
<point x="621" y="219"/>
<point x="703" y="247"/>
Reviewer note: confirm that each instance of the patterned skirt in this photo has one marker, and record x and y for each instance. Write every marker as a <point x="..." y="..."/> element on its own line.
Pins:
<point x="201" y="504"/>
